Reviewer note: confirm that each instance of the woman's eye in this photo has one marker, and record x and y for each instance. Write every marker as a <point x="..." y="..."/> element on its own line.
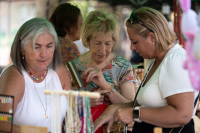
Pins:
<point x="134" y="42"/>
<point x="49" y="46"/>
<point x="37" y="47"/>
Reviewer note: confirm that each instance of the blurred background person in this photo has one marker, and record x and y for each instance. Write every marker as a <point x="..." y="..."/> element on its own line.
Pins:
<point x="67" y="20"/>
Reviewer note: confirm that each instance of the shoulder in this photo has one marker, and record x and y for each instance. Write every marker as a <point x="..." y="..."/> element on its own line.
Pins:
<point x="12" y="74"/>
<point x="12" y="82"/>
<point x="121" y="61"/>
<point x="63" y="77"/>
<point x="173" y="63"/>
<point x="61" y="70"/>
<point x="175" y="57"/>
<point x="84" y="58"/>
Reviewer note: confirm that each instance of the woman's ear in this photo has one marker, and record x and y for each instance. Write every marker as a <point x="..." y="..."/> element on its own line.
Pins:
<point x="88" y="44"/>
<point x="22" y="51"/>
<point x="152" y="37"/>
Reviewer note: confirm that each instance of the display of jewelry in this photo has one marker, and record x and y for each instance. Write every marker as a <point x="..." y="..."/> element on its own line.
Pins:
<point x="6" y="116"/>
<point x="78" y="109"/>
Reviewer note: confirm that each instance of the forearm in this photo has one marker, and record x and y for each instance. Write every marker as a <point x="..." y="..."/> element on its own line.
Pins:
<point x="116" y="97"/>
<point x="126" y="94"/>
<point x="166" y="116"/>
<point x="122" y="105"/>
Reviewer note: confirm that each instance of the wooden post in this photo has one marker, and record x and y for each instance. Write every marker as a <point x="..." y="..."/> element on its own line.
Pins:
<point x="41" y="6"/>
<point x="52" y="6"/>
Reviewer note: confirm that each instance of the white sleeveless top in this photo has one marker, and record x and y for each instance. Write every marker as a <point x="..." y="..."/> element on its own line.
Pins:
<point x="30" y="110"/>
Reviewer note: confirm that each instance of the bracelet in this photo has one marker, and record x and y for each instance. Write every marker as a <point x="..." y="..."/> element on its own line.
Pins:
<point x="113" y="107"/>
<point x="112" y="88"/>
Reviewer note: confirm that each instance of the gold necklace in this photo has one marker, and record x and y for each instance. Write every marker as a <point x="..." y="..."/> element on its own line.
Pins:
<point x="46" y="116"/>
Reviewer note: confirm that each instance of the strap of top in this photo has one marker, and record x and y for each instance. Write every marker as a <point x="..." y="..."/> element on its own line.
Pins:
<point x="75" y="75"/>
<point x="142" y="83"/>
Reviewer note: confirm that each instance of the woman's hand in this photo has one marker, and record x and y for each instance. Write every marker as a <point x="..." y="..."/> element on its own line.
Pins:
<point x="97" y="101"/>
<point x="124" y="115"/>
<point x="106" y="116"/>
<point x="96" y="76"/>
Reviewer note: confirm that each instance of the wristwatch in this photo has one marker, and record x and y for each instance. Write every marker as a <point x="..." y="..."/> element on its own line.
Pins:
<point x="136" y="114"/>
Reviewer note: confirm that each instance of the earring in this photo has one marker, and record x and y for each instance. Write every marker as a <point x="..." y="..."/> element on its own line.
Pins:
<point x="23" y="57"/>
<point x="153" y="42"/>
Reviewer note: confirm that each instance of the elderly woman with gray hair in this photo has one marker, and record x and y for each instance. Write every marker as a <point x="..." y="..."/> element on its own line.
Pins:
<point x="37" y="65"/>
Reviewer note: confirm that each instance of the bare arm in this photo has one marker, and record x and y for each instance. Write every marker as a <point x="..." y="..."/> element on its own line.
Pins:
<point x="127" y="89"/>
<point x="177" y="113"/>
<point x="127" y="94"/>
<point x="64" y="77"/>
<point x="12" y="83"/>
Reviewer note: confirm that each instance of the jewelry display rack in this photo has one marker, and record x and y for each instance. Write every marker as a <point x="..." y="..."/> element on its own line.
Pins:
<point x="75" y="93"/>
<point x="6" y="117"/>
<point x="69" y="118"/>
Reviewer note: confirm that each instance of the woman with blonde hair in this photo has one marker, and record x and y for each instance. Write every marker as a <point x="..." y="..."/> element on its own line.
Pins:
<point x="101" y="70"/>
<point x="165" y="97"/>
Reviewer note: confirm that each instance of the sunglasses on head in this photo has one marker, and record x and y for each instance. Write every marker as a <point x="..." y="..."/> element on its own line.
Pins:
<point x="133" y="19"/>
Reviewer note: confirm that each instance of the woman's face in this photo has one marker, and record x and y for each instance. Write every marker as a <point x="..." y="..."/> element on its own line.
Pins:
<point x="41" y="56"/>
<point x="101" y="47"/>
<point x="144" y="47"/>
<point x="77" y="36"/>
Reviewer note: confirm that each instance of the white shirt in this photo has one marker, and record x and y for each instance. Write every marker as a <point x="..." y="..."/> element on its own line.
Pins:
<point x="30" y="110"/>
<point x="170" y="78"/>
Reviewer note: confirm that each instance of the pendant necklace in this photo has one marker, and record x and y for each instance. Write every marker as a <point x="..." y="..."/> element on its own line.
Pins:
<point x="46" y="115"/>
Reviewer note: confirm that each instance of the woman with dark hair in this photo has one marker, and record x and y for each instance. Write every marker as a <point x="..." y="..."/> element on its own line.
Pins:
<point x="67" y="20"/>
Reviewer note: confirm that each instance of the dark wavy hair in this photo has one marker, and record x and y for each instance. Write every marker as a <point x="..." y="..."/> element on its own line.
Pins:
<point x="65" y="19"/>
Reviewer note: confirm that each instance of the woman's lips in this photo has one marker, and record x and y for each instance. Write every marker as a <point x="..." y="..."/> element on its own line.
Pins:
<point x="42" y="60"/>
<point x="100" y="56"/>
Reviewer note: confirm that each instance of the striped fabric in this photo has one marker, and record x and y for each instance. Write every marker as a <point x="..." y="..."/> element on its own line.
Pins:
<point x="75" y="75"/>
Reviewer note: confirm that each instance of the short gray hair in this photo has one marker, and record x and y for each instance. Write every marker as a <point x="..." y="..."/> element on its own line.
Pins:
<point x="30" y="31"/>
<point x="100" y="21"/>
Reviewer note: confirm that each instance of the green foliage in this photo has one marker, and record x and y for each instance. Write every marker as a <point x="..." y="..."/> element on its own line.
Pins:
<point x="83" y="6"/>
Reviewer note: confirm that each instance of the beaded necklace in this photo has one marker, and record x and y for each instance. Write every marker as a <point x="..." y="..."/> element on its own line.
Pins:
<point x="45" y="72"/>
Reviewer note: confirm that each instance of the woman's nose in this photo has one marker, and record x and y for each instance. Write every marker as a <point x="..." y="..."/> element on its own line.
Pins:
<point x="43" y="52"/>
<point x="102" y="48"/>
<point x="132" y="47"/>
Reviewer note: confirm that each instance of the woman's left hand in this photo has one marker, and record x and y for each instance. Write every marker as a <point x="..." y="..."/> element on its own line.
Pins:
<point x="124" y="115"/>
<point x="96" y="76"/>
<point x="106" y="116"/>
